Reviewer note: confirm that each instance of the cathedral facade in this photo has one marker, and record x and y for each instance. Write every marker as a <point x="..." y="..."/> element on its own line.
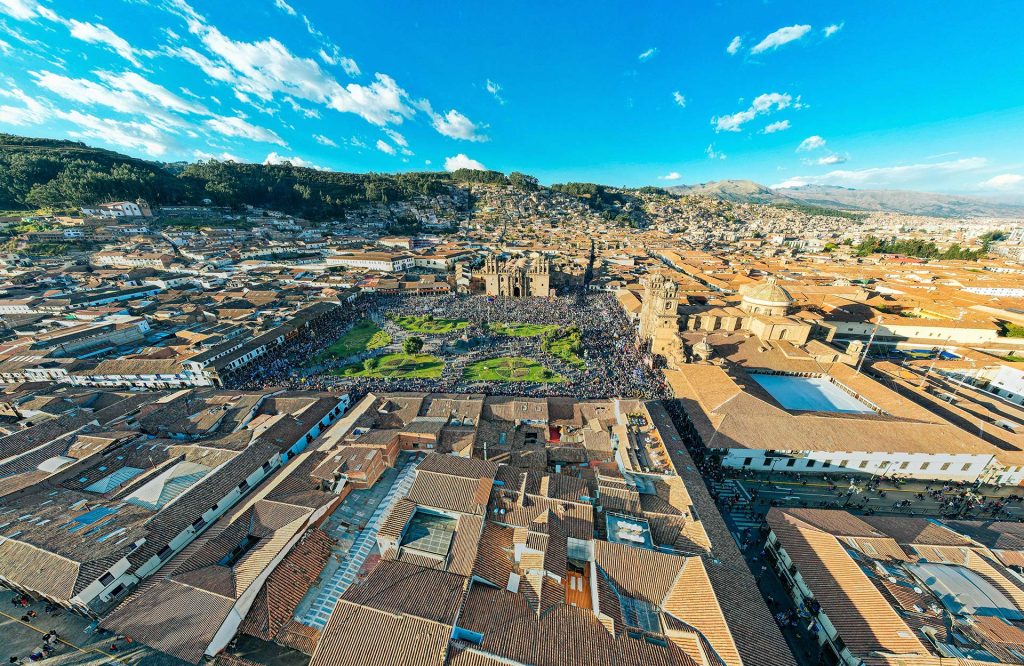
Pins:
<point x="517" y="278"/>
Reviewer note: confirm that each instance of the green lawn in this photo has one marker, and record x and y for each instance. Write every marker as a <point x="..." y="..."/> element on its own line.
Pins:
<point x="1013" y="358"/>
<point x="398" y="366"/>
<point x="562" y="348"/>
<point x="429" y="325"/>
<point x="364" y="336"/>
<point x="510" y="369"/>
<point x="520" y="330"/>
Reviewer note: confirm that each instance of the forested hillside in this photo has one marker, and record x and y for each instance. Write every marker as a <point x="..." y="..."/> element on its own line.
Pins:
<point x="45" y="173"/>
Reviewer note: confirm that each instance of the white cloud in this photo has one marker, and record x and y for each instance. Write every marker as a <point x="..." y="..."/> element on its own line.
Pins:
<point x="25" y="10"/>
<point x="5" y="48"/>
<point x="495" y="90"/>
<point x="453" y="124"/>
<point x="833" y="29"/>
<point x="829" y="160"/>
<point x="1004" y="181"/>
<point x="779" y="126"/>
<point x="238" y="127"/>
<point x="95" y="33"/>
<point x="308" y="113"/>
<point x="380" y="103"/>
<point x="336" y="58"/>
<point x="461" y="161"/>
<point x="127" y="92"/>
<point x="679" y="99"/>
<point x="385" y="147"/>
<point x="734" y="45"/>
<point x="810" y="143"/>
<point x="324" y="141"/>
<point x="356" y="142"/>
<point x="130" y="135"/>
<point x="929" y="175"/>
<point x="672" y="175"/>
<point x="274" y="158"/>
<point x="713" y="154"/>
<point x="29" y="112"/>
<point x="761" y="105"/>
<point x="221" y="157"/>
<point x="396" y="137"/>
<point x="780" y="37"/>
<point x="647" y="54"/>
<point x="266" y="68"/>
<point x="285" y="7"/>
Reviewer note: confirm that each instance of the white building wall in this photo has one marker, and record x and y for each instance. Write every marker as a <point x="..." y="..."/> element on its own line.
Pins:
<point x="930" y="466"/>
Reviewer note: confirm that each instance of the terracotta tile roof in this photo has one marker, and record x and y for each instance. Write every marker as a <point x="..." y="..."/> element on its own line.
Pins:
<point x="864" y="619"/>
<point x="450" y="493"/>
<point x="494" y="554"/>
<point x="754" y="630"/>
<point x="398" y="587"/>
<point x="277" y="600"/>
<point x="359" y="635"/>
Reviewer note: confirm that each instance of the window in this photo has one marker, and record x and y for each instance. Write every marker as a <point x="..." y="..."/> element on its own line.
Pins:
<point x="199" y="522"/>
<point x="747" y="462"/>
<point x="864" y="464"/>
<point x="904" y="465"/>
<point x="790" y="462"/>
<point x="827" y="463"/>
<point x="844" y="463"/>
<point x="106" y="579"/>
<point x="164" y="553"/>
<point x="117" y="590"/>
<point x="945" y="466"/>
<point x="810" y="463"/>
<point x="767" y="462"/>
<point x="967" y="466"/>
<point x="925" y="465"/>
<point x="266" y="466"/>
<point x="243" y="486"/>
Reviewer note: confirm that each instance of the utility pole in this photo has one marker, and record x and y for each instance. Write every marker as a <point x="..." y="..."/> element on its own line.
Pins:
<point x="867" y="347"/>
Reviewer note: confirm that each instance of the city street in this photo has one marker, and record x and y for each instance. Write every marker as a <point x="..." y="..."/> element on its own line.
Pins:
<point x="77" y="644"/>
<point x="815" y="492"/>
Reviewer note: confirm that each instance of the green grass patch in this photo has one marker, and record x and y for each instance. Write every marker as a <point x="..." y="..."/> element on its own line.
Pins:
<point x="510" y="369"/>
<point x="518" y="330"/>
<point x="1013" y="358"/>
<point x="564" y="348"/>
<point x="398" y="366"/>
<point x="364" y="336"/>
<point x="429" y="325"/>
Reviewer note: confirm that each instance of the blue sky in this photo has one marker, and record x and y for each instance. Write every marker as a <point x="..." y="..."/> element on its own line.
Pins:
<point x="910" y="94"/>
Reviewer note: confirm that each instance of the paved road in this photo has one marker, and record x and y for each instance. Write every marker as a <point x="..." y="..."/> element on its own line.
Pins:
<point x="816" y="493"/>
<point x="78" y="646"/>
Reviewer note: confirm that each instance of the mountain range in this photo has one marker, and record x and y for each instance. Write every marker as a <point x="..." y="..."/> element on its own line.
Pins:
<point x="828" y="196"/>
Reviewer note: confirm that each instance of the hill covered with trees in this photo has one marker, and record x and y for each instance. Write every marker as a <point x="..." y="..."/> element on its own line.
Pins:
<point x="54" y="174"/>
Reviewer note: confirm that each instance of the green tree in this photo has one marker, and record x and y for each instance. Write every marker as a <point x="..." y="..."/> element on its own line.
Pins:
<point x="412" y="345"/>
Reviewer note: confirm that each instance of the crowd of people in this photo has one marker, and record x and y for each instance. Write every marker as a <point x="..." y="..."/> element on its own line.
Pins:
<point x="612" y="365"/>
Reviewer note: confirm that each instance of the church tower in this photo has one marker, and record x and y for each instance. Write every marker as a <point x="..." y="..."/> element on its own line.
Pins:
<point x="659" y="320"/>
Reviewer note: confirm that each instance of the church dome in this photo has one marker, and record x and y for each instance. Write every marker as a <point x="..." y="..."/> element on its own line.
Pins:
<point x="768" y="294"/>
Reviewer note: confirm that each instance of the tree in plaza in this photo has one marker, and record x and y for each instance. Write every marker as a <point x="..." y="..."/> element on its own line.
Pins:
<point x="412" y="345"/>
<point x="369" y="364"/>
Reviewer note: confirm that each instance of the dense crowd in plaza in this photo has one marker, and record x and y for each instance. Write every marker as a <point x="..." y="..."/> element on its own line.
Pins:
<point x="614" y="366"/>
